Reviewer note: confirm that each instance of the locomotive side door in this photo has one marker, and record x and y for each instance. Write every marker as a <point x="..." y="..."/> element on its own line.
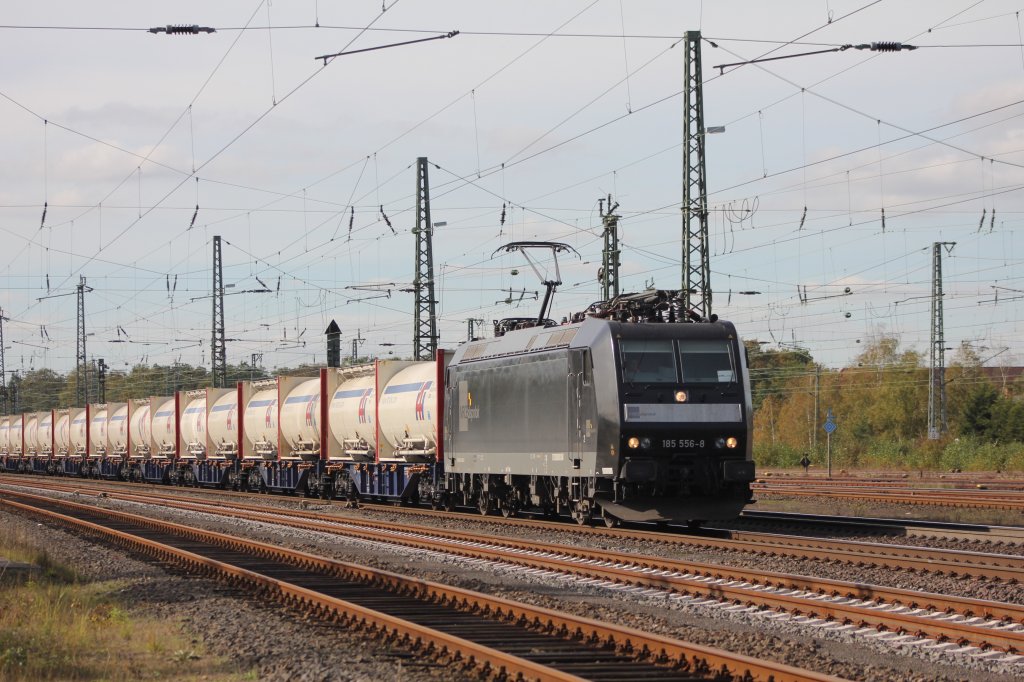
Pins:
<point x="582" y="416"/>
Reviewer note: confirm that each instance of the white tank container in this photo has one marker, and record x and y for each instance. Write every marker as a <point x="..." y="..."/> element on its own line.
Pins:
<point x="261" y="422"/>
<point x="98" y="432"/>
<point x="44" y="437"/>
<point x="406" y="409"/>
<point x="5" y="435"/>
<point x="62" y="434"/>
<point x="222" y="423"/>
<point x="300" y="416"/>
<point x="31" y="434"/>
<point x="193" y="427"/>
<point x="163" y="427"/>
<point x="141" y="429"/>
<point x="78" y="432"/>
<point x="352" y="415"/>
<point x="117" y="430"/>
<point x="16" y="443"/>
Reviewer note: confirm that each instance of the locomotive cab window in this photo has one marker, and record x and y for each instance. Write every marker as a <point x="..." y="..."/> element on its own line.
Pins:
<point x="648" y="361"/>
<point x="706" y="362"/>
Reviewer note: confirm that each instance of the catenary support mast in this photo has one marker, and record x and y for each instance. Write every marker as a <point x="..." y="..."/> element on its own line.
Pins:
<point x="218" y="343"/>
<point x="696" y="283"/>
<point x="937" y="355"/>
<point x="424" y="343"/>
<point x="610" y="254"/>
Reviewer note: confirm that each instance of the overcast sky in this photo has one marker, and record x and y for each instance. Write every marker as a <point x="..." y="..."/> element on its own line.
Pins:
<point x="535" y="111"/>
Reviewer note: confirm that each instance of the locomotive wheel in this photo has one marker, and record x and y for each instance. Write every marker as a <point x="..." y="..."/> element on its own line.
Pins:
<point x="485" y="503"/>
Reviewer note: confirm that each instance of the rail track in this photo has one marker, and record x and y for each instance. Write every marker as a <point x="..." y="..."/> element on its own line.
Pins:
<point x="963" y="621"/>
<point x="497" y="637"/>
<point x="951" y="562"/>
<point x="970" y="532"/>
<point x="1011" y="500"/>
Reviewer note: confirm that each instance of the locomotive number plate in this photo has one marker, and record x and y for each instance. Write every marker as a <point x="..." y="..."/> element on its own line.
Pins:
<point x="688" y="443"/>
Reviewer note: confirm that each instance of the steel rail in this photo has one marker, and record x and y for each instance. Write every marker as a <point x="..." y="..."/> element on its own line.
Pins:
<point x="695" y="658"/>
<point x="909" y="527"/>
<point x="907" y="611"/>
<point x="904" y="497"/>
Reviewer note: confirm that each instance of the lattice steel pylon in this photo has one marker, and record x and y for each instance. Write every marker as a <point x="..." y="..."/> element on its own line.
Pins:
<point x="424" y="343"/>
<point x="3" y="372"/>
<point x="81" y="369"/>
<point x="937" y="355"/>
<point x="218" y="343"/>
<point x="696" y="282"/>
<point x="610" y="254"/>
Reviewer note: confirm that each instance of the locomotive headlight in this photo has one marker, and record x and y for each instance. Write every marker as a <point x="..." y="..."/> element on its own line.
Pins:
<point x="681" y="396"/>
<point x="731" y="442"/>
<point x="633" y="442"/>
<point x="645" y="443"/>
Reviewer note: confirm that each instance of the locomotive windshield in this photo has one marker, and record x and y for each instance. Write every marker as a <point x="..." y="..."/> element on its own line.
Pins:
<point x="667" y="362"/>
<point x="706" y="362"/>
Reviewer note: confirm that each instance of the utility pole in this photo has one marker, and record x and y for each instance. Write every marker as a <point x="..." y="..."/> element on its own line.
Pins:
<point x="610" y="255"/>
<point x="696" y="268"/>
<point x="356" y="342"/>
<point x="937" y="356"/>
<point x="424" y="343"/>
<point x="3" y="372"/>
<point x="81" y="377"/>
<point x="218" y="344"/>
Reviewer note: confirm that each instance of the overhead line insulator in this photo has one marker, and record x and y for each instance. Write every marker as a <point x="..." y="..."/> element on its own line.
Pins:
<point x="176" y="29"/>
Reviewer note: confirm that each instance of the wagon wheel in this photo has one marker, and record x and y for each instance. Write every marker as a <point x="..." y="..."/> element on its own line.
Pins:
<point x="610" y="520"/>
<point x="582" y="512"/>
<point x="485" y="503"/>
<point x="509" y="507"/>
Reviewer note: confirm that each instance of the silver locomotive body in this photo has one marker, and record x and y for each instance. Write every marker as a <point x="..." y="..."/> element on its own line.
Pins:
<point x="631" y="421"/>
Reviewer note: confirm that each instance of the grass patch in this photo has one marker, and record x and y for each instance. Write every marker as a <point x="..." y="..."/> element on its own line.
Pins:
<point x="59" y="627"/>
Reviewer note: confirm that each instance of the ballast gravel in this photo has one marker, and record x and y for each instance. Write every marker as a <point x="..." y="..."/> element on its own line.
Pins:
<point x="838" y="653"/>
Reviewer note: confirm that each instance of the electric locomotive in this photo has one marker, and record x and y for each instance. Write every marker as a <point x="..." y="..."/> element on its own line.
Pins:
<point x="635" y="412"/>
